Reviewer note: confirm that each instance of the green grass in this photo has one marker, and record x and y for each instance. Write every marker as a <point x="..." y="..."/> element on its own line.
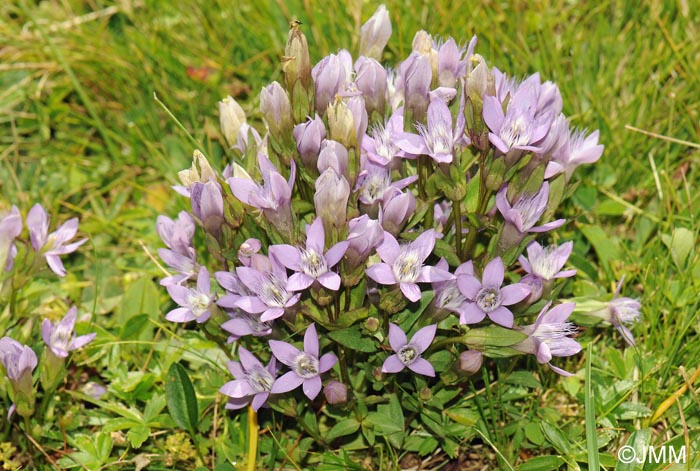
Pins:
<point x="80" y="131"/>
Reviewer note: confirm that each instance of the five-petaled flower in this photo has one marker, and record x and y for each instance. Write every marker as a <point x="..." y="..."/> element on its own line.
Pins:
<point x="311" y="263"/>
<point x="54" y="244"/>
<point x="404" y="264"/>
<point x="306" y="366"/>
<point x="195" y="303"/>
<point x="60" y="338"/>
<point x="408" y="354"/>
<point x="252" y="383"/>
<point x="488" y="298"/>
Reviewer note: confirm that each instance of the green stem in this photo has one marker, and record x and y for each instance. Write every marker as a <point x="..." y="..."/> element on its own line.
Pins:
<point x="457" y="205"/>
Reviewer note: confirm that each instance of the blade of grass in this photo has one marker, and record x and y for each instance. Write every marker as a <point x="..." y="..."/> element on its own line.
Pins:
<point x="589" y="404"/>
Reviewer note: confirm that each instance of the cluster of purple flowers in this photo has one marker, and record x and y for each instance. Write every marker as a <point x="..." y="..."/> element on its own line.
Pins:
<point x="361" y="174"/>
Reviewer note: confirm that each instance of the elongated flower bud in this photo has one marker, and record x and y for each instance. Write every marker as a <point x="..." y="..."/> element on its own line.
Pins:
<point x="309" y="136"/>
<point x="375" y="33"/>
<point x="342" y="124"/>
<point x="331" y="199"/>
<point x="296" y="64"/>
<point x="371" y="80"/>
<point x="277" y="111"/>
<point x="231" y="117"/>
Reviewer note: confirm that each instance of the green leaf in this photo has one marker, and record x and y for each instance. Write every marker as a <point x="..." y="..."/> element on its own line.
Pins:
<point x="493" y="336"/>
<point x="343" y="428"/>
<point x="636" y="446"/>
<point x="133" y="327"/>
<point x="141" y="297"/>
<point x="682" y="243"/>
<point x="181" y="399"/>
<point x="137" y="435"/>
<point x="607" y="248"/>
<point x="542" y="463"/>
<point x="523" y="378"/>
<point x="463" y="416"/>
<point x="353" y="339"/>
<point x="388" y="421"/>
<point x="556" y="438"/>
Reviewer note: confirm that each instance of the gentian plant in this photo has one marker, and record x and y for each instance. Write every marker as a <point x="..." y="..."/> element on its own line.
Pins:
<point x="385" y="232"/>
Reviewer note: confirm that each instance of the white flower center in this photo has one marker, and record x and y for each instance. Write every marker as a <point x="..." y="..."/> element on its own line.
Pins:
<point x="259" y="379"/>
<point x="488" y="299"/>
<point x="450" y="297"/>
<point x="384" y="145"/>
<point x="305" y="365"/>
<point x="516" y="132"/>
<point x="438" y="138"/>
<point x="625" y="309"/>
<point x="408" y="354"/>
<point x="313" y="263"/>
<point x="374" y="185"/>
<point x="61" y="337"/>
<point x="407" y="267"/>
<point x="530" y="209"/>
<point x="198" y="303"/>
<point x="273" y="292"/>
<point x="552" y="335"/>
<point x="545" y="266"/>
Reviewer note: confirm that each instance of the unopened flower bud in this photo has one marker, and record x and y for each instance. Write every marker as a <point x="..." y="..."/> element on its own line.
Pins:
<point x="296" y="64"/>
<point x="375" y="33"/>
<point x="364" y="236"/>
<point x="371" y="80"/>
<point x="425" y="394"/>
<point x="470" y="361"/>
<point x="377" y="374"/>
<point x="247" y="249"/>
<point x="309" y="136"/>
<point x="330" y="76"/>
<point x="397" y="208"/>
<point x="478" y="79"/>
<point x="231" y="117"/>
<point x="277" y="110"/>
<point x="208" y="206"/>
<point x="372" y="324"/>
<point x="200" y="172"/>
<point x="422" y="43"/>
<point x="342" y="124"/>
<point x="331" y="198"/>
<point x="333" y="155"/>
<point x="335" y="392"/>
<point x="416" y="73"/>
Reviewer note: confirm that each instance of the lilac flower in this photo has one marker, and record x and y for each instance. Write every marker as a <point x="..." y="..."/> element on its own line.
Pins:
<point x="404" y="264"/>
<point x="370" y="79"/>
<point x="267" y="283"/>
<point x="311" y="264"/>
<point x="276" y="110"/>
<point x="54" y="244"/>
<point x="576" y="149"/>
<point x="247" y="249"/>
<point x="335" y="392"/>
<point x="415" y="76"/>
<point x="200" y="172"/>
<point x="19" y="362"/>
<point x="437" y="140"/>
<point x="374" y="181"/>
<point x="396" y="209"/>
<point x="549" y="336"/>
<point x="208" y="205"/>
<point x="331" y="198"/>
<point x="356" y="105"/>
<point x="524" y="213"/>
<point x="241" y="324"/>
<point x="330" y="76"/>
<point x="59" y="337"/>
<point x="273" y="198"/>
<point x="620" y="311"/>
<point x="309" y="136"/>
<point x="306" y="365"/>
<point x="364" y="235"/>
<point x="333" y="155"/>
<point x="547" y="262"/>
<point x="180" y="255"/>
<point x="451" y="63"/>
<point x="447" y="293"/>
<point x="408" y="354"/>
<point x="488" y="298"/>
<point x="375" y="33"/>
<point x="10" y="229"/>
<point x="194" y="302"/>
<point x="381" y="145"/>
<point x="252" y="383"/>
<point x="470" y="361"/>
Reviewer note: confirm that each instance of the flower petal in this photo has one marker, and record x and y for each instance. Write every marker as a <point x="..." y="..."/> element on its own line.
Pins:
<point x="326" y="362"/>
<point x="502" y="316"/>
<point x="311" y="340"/>
<point x="424" y="337"/>
<point x="382" y="274"/>
<point x="312" y="387"/>
<point x="392" y="365"/>
<point x="330" y="280"/>
<point x="284" y="352"/>
<point x="493" y="273"/>
<point x="286" y="382"/>
<point x="514" y="293"/>
<point x="411" y="291"/>
<point x="422" y="367"/>
<point x="471" y="314"/>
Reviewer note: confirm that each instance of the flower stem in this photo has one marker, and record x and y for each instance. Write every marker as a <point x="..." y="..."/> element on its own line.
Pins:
<point x="253" y="429"/>
<point x="458" y="229"/>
